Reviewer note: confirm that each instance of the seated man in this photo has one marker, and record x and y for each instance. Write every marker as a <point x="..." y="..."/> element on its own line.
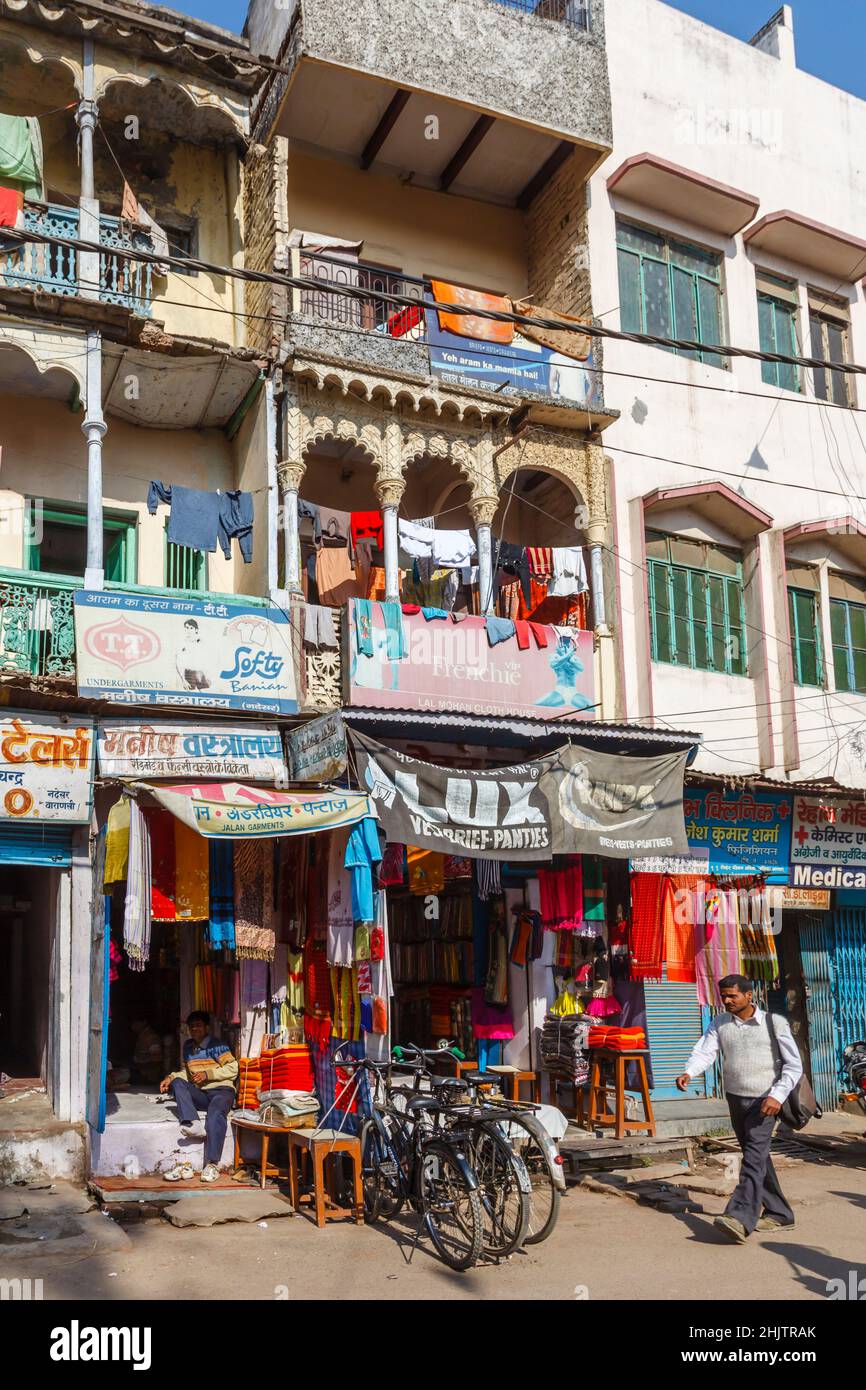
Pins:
<point x="205" y="1082"/>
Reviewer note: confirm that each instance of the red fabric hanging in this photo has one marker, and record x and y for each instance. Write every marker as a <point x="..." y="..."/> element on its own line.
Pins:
<point x="646" y="931"/>
<point x="163" y="895"/>
<point x="561" y="894"/>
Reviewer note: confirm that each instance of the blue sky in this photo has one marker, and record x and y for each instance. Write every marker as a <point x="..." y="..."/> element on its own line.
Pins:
<point x="831" y="34"/>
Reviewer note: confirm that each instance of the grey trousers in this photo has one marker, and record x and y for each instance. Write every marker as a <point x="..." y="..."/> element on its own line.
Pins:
<point x="758" y="1192"/>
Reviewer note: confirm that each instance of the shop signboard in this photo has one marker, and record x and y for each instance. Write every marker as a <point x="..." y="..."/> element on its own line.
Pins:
<point x="733" y="833"/>
<point x="452" y="666"/>
<point x="828" y="845"/>
<point x="317" y="751"/>
<point x="220" y="809"/>
<point x="46" y="767"/>
<point x="523" y="365"/>
<point x="572" y="801"/>
<point x="133" y="649"/>
<point x="802" y="899"/>
<point x="253" y="752"/>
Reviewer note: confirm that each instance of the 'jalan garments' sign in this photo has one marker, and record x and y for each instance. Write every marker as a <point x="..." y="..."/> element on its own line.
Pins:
<point x="828" y="846"/>
<point x="317" y="751"/>
<point x="253" y="752"/>
<point x="136" y="650"/>
<point x="219" y="809"/>
<point x="572" y="801"/>
<point x="46" y="768"/>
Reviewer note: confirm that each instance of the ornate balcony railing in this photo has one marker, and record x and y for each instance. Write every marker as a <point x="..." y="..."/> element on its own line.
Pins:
<point x="53" y="269"/>
<point x="357" y="312"/>
<point x="37" y="628"/>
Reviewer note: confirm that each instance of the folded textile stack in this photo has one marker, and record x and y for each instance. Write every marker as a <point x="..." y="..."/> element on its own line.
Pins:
<point x="288" y="1108"/>
<point x="249" y="1083"/>
<point x="563" y="1046"/>
<point x="619" y="1039"/>
<point x="286" y="1068"/>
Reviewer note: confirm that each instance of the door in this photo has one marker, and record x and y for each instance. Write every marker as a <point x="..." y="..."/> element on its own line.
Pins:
<point x="816" y="939"/>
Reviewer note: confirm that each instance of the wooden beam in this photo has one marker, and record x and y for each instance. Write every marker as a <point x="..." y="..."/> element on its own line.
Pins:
<point x="392" y="114"/>
<point x="465" y="152"/>
<point x="545" y="173"/>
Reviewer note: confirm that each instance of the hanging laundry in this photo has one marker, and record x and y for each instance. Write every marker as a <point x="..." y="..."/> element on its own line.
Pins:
<point x="516" y="559"/>
<point x="367" y="526"/>
<point x="11" y="204"/>
<point x="137" y="906"/>
<point x="309" y="511"/>
<point x="21" y="157"/>
<point x="221" y="925"/>
<point x="340" y="929"/>
<point x="431" y="615"/>
<point x="569" y="572"/>
<point x="317" y="995"/>
<point x="132" y="211"/>
<point x="561" y="896"/>
<point x="336" y="580"/>
<point x="678" y="918"/>
<point x="194" y="520"/>
<point x="392" y="871"/>
<point x="192" y="873"/>
<point x="448" y="549"/>
<point x="523" y="631"/>
<point x="593" y="896"/>
<point x="160" y="825"/>
<point x="117" y="842"/>
<point x="396" y="647"/>
<point x="426" y="869"/>
<point x="236" y="523"/>
<point x="334" y="525"/>
<point x="319" y="628"/>
<point x="540" y="561"/>
<point x="499" y="630"/>
<point x="471" y="325"/>
<point x="488" y="878"/>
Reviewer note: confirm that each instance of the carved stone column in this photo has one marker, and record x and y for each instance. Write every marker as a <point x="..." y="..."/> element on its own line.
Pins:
<point x="389" y="492"/>
<point x="483" y="510"/>
<point x="291" y="475"/>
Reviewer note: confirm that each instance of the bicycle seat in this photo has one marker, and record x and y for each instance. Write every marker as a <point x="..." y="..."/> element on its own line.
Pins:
<point x="480" y="1078"/>
<point x="458" y="1083"/>
<point x="423" y="1103"/>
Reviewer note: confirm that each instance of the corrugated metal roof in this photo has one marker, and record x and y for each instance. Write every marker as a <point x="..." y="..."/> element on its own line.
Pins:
<point x="478" y="728"/>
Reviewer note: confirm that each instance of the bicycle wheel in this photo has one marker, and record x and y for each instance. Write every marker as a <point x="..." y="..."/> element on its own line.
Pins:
<point x="380" y="1175"/>
<point x="504" y="1189"/>
<point x="546" y="1194"/>
<point x="452" y="1209"/>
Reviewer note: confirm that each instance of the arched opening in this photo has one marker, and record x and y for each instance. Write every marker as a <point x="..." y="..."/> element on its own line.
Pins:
<point x="537" y="508"/>
<point x="339" y="481"/>
<point x="436" y="488"/>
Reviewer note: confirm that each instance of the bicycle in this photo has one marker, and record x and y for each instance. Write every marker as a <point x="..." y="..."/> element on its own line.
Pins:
<point x="407" y="1158"/>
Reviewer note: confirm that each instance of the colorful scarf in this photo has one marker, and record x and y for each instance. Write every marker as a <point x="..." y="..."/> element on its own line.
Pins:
<point x="221" y="927"/>
<point x="346" y="1003"/>
<point x="561" y="894"/>
<point x="160" y="825"/>
<point x="717" y="942"/>
<point x="137" y="907"/>
<point x="317" y="995"/>
<point x="254" y="930"/>
<point x="566" y="951"/>
<point x="192" y="876"/>
<point x="645" y="928"/>
<point x="593" y="897"/>
<point x="487" y="878"/>
<point x="392" y="870"/>
<point x="117" y="842"/>
<point x="678" y="918"/>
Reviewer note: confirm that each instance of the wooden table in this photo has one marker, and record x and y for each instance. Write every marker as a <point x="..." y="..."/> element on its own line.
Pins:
<point x="319" y="1145"/>
<point x="268" y="1170"/>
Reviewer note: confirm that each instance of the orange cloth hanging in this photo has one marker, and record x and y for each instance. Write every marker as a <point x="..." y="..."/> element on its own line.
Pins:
<point x="678" y="918"/>
<point x="192" y="873"/>
<point x="426" y="869"/>
<point x="467" y="325"/>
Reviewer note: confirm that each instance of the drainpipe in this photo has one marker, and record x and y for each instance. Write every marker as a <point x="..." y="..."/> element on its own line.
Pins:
<point x="88" y="205"/>
<point x="94" y="427"/>
<point x="596" y="574"/>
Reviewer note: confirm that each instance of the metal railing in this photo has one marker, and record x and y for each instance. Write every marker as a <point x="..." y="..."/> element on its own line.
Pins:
<point x="574" y="13"/>
<point x="54" y="269"/>
<point x="358" y="313"/>
<point x="37" y="626"/>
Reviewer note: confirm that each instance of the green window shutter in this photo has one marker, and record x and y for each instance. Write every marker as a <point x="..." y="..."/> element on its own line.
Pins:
<point x="629" y="292"/>
<point x="660" y="613"/>
<point x="710" y="312"/>
<point x="685" y="310"/>
<point x="805" y="638"/>
<point x="657" y="298"/>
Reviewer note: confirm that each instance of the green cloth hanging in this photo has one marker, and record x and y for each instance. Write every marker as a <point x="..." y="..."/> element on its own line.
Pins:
<point x="593" y="889"/>
<point x="21" y="154"/>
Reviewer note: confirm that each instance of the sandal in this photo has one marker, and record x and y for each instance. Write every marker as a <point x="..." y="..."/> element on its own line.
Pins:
<point x="181" y="1172"/>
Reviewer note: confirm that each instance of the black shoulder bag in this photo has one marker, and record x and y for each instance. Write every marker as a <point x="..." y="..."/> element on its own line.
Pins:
<point x="801" y="1105"/>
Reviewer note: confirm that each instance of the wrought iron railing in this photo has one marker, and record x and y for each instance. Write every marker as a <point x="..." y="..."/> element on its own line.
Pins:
<point x="54" y="269"/>
<point x="37" y="628"/>
<point x="356" y="311"/>
<point x="575" y="13"/>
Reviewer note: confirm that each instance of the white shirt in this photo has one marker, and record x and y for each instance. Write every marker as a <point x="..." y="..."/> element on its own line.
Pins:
<point x="707" y="1051"/>
<point x="569" y="572"/>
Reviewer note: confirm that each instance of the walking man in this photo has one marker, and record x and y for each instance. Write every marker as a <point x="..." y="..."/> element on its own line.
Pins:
<point x="758" y="1079"/>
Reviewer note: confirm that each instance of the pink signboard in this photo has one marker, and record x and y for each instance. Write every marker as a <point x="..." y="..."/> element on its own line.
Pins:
<point x="451" y="665"/>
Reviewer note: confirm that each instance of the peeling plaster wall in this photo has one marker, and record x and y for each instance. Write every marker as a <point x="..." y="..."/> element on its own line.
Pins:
<point x="251" y="472"/>
<point x="44" y="455"/>
<point x="542" y="72"/>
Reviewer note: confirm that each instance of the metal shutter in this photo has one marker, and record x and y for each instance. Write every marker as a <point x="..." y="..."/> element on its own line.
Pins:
<point x="674" y="1023"/>
<point x="47" y="845"/>
<point x="849" y="978"/>
<point x="815" y="955"/>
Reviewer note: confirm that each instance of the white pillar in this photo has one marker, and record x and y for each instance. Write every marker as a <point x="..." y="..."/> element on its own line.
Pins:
<point x="273" y="529"/>
<point x="597" y="585"/>
<point x="88" y="205"/>
<point x="389" y="492"/>
<point x="291" y="475"/>
<point x="483" y="510"/>
<point x="94" y="428"/>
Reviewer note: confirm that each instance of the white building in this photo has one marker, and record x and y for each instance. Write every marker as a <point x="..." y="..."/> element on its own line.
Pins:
<point x="732" y="209"/>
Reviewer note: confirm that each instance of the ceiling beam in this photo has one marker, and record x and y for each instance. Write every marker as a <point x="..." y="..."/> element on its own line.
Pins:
<point x="391" y="116"/>
<point x="465" y="152"/>
<point x="545" y="173"/>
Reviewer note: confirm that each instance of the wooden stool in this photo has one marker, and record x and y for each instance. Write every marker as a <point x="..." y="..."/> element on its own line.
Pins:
<point x="268" y="1170"/>
<point x="553" y="1086"/>
<point x="319" y="1144"/>
<point x="511" y="1079"/>
<point x="598" y="1116"/>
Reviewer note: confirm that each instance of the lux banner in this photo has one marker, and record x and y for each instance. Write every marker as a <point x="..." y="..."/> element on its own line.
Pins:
<point x="571" y="801"/>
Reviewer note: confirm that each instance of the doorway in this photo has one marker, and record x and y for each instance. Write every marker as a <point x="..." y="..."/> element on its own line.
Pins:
<point x="28" y="898"/>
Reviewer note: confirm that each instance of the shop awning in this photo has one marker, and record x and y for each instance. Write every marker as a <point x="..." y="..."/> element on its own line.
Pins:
<point x="218" y="809"/>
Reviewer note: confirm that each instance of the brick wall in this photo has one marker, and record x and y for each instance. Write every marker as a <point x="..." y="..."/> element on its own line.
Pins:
<point x="266" y="219"/>
<point x="557" y="244"/>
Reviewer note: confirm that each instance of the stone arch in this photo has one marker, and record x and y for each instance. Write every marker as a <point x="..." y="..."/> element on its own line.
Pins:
<point x="47" y="55"/>
<point x="539" y="506"/>
<point x="206" y="113"/>
<point x="55" y="371"/>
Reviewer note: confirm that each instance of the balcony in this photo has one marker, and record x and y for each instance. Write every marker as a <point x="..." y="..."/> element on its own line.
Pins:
<point x="393" y="338"/>
<point x="37" y="629"/>
<point x="50" y="269"/>
<point x="480" y="98"/>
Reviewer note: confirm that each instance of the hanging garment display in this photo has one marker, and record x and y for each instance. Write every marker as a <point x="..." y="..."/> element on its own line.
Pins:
<point x="117" y="842"/>
<point x="317" y="995"/>
<point x="137" y="913"/>
<point x="340" y="922"/>
<point x="319" y="858"/>
<point x="295" y="985"/>
<point x="367" y="526"/>
<point x="336" y="580"/>
<point x="717" y="942"/>
<point x="569" y="572"/>
<point x="21" y="155"/>
<point x="253" y="886"/>
<point x="678" y="917"/>
<point x="561" y="894"/>
<point x="646" y="933"/>
<point x="292" y="887"/>
<point x="221" y="925"/>
<point x="160" y="826"/>
<point x="488" y="878"/>
<point x="346" y="1003"/>
<point x="392" y="870"/>
<point x="593" y="896"/>
<point x="426" y="870"/>
<point x="192" y="874"/>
